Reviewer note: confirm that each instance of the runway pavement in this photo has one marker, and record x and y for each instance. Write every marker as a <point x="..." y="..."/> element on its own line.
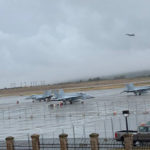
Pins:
<point x="102" y="114"/>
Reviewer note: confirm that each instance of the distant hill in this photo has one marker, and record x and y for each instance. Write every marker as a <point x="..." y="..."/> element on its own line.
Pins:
<point x="129" y="75"/>
<point x="136" y="74"/>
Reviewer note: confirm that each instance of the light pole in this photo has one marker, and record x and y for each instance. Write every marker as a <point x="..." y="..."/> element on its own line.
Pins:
<point x="126" y="114"/>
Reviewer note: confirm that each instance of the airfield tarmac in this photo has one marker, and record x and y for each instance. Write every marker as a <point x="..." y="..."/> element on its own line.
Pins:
<point x="102" y="114"/>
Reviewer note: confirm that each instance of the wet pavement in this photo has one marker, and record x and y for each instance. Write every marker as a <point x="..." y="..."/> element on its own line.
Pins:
<point x="102" y="114"/>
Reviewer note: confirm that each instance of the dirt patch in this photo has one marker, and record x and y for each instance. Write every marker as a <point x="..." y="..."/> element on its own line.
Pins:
<point x="76" y="87"/>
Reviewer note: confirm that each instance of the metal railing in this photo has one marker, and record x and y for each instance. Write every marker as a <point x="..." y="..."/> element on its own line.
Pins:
<point x="64" y="143"/>
<point x="55" y="144"/>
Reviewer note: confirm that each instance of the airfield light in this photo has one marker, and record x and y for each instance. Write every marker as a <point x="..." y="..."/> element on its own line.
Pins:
<point x="126" y="114"/>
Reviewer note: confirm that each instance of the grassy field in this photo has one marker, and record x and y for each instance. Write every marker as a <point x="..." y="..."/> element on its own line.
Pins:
<point x="76" y="87"/>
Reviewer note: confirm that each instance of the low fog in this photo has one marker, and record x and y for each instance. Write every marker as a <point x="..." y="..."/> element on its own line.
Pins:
<point x="57" y="41"/>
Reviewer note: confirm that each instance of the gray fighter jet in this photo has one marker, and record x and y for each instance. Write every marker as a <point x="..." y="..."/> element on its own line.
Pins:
<point x="130" y="34"/>
<point x="69" y="97"/>
<point x="46" y="96"/>
<point x="130" y="88"/>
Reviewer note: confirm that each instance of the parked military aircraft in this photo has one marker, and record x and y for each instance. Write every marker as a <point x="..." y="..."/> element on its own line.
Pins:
<point x="69" y="97"/>
<point x="46" y="96"/>
<point x="130" y="34"/>
<point x="130" y="88"/>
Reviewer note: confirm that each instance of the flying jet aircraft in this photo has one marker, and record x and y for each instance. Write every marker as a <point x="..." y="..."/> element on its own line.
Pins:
<point x="130" y="34"/>
<point x="46" y="96"/>
<point x="130" y="88"/>
<point x="69" y="97"/>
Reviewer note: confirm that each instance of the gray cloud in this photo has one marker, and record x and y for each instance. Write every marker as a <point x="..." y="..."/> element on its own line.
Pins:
<point x="65" y="40"/>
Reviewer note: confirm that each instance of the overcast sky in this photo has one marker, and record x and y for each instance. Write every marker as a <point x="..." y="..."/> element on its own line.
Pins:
<point x="62" y="40"/>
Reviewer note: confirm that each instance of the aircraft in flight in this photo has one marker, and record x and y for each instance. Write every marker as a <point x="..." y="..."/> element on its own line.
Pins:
<point x="130" y="88"/>
<point x="130" y="34"/>
<point x="46" y="96"/>
<point x="69" y="97"/>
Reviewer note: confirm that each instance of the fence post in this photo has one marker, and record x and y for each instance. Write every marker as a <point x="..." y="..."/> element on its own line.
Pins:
<point x="10" y="143"/>
<point x="94" y="141"/>
<point x="63" y="141"/>
<point x="128" y="141"/>
<point x="35" y="142"/>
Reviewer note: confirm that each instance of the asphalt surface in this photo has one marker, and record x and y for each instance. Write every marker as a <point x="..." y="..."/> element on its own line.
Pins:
<point x="102" y="114"/>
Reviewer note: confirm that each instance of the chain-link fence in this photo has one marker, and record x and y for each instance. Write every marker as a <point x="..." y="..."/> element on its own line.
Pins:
<point x="23" y="145"/>
<point x="2" y="145"/>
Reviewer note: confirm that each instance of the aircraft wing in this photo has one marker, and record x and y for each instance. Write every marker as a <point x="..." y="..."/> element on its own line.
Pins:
<point x="31" y="97"/>
<point x="38" y="97"/>
<point x="136" y="90"/>
<point x="142" y="89"/>
<point x="67" y="98"/>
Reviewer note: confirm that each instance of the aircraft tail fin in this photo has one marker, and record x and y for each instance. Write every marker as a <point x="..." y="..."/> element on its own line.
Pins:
<point x="61" y="93"/>
<point x="47" y="93"/>
<point x="55" y="93"/>
<point x="58" y="93"/>
<point x="130" y="87"/>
